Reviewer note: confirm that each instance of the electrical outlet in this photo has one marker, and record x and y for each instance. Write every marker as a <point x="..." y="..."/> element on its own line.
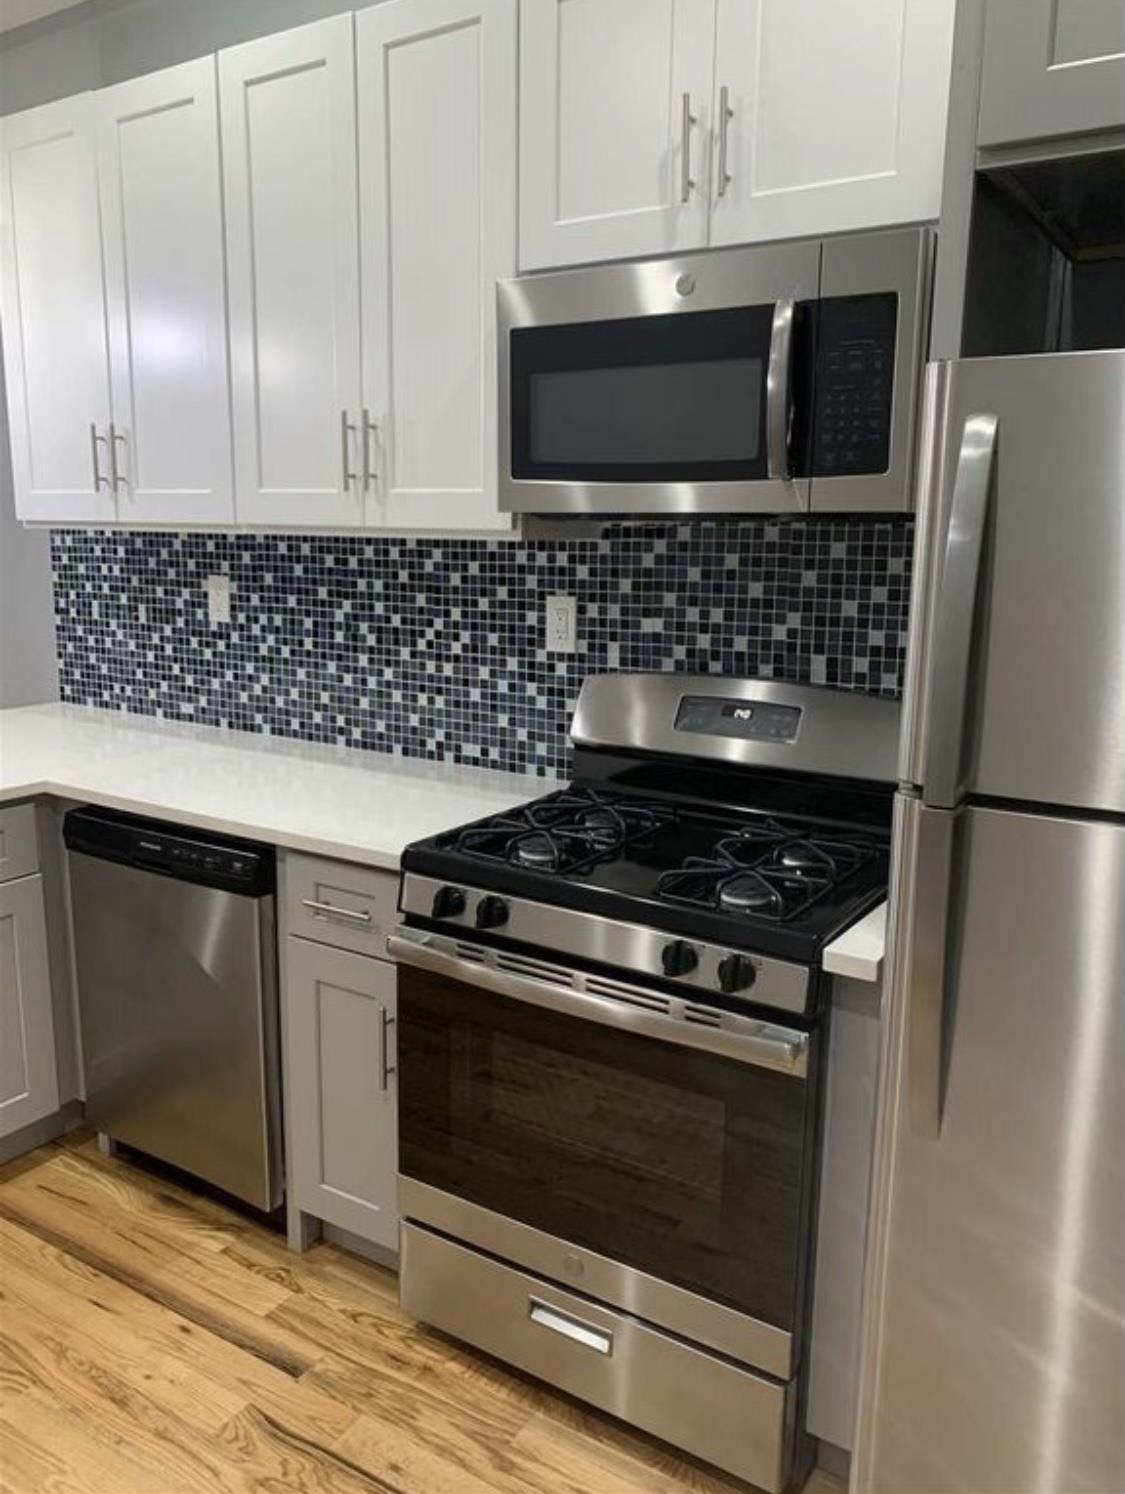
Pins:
<point x="218" y="600"/>
<point x="562" y="625"/>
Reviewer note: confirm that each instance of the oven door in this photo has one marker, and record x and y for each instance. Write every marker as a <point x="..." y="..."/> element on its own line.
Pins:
<point x="674" y="386"/>
<point x="610" y="1138"/>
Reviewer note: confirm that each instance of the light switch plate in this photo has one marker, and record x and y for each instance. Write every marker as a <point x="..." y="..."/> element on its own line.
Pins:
<point x="218" y="600"/>
<point x="561" y="625"/>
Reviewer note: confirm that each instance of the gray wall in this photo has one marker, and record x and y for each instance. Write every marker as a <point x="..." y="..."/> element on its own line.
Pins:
<point x="104" y="41"/>
<point x="28" y="667"/>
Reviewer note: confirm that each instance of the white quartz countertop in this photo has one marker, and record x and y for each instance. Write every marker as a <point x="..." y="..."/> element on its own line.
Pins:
<point x="333" y="801"/>
<point x="858" y="952"/>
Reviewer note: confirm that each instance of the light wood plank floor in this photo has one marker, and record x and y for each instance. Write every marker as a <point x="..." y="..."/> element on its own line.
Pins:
<point x="154" y="1342"/>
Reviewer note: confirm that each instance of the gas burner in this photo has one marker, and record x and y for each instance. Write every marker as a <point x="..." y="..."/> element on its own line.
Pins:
<point x="747" y="893"/>
<point x="767" y="871"/>
<point x="568" y="832"/>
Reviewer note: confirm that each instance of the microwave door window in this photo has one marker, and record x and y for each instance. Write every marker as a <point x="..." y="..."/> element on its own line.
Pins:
<point x="662" y="414"/>
<point x="674" y="398"/>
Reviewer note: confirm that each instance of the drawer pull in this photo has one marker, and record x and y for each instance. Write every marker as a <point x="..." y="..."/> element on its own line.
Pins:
<point x="586" y="1334"/>
<point x="330" y="910"/>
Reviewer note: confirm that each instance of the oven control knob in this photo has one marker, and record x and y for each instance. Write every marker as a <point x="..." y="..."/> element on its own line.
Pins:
<point x="679" y="958"/>
<point x="449" y="902"/>
<point x="492" y="912"/>
<point x="736" y="973"/>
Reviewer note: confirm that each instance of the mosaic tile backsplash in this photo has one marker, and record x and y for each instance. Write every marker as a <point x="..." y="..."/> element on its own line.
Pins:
<point x="435" y="648"/>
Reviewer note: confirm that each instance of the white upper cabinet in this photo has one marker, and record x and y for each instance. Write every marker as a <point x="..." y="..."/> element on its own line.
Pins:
<point x="162" y="222"/>
<point x="437" y="167"/>
<point x="615" y="128"/>
<point x="802" y="117"/>
<point x="1052" y="67"/>
<point x="833" y="115"/>
<point x="289" y="160"/>
<point x="55" y="352"/>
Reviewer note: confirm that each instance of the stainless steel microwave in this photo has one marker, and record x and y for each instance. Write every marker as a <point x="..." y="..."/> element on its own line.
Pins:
<point x="777" y="379"/>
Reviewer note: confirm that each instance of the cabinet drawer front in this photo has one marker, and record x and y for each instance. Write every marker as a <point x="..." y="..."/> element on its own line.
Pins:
<point x="19" y="844"/>
<point x="334" y="902"/>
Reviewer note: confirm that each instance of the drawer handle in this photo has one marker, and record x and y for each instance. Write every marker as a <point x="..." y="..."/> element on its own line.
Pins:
<point x="586" y="1334"/>
<point x="330" y="910"/>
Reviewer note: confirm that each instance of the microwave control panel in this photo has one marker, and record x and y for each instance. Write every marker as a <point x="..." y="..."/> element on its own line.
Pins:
<point x="854" y="385"/>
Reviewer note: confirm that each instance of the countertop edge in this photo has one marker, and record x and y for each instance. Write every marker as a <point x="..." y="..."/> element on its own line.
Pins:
<point x="859" y="951"/>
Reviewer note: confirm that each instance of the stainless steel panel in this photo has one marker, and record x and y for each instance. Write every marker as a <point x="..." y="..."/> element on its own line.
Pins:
<point x="702" y="1321"/>
<point x="720" y="279"/>
<point x="612" y="1003"/>
<point x="995" y="1332"/>
<point x="856" y="265"/>
<point x="1048" y="674"/>
<point x="842" y="733"/>
<point x="696" y="1401"/>
<point x="628" y="947"/>
<point x="177" y="998"/>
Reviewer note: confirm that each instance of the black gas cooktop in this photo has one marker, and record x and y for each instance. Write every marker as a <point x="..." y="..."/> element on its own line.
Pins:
<point x="780" y="884"/>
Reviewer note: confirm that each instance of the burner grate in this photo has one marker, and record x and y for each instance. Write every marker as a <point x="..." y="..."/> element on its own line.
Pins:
<point x="766" y="871"/>
<point x="568" y="832"/>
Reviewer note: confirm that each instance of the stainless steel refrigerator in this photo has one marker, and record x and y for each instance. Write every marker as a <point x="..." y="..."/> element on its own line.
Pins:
<point x="993" y="1356"/>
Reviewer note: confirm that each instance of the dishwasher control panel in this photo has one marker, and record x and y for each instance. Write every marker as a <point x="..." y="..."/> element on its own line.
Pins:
<point x="217" y="861"/>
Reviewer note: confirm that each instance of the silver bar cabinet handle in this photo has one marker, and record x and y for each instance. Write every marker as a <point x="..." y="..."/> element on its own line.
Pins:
<point x="778" y="380"/>
<point x="99" y="480"/>
<point x="368" y="428"/>
<point x="114" y="437"/>
<point x="346" y="429"/>
<point x="332" y="910"/>
<point x="927" y="965"/>
<point x="589" y="1335"/>
<point x="947" y="707"/>
<point x="386" y="1068"/>
<point x="726" y="114"/>
<point x="687" y="120"/>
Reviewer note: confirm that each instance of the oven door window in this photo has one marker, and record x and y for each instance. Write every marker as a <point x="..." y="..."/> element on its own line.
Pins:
<point x="691" y="1167"/>
<point x="673" y="398"/>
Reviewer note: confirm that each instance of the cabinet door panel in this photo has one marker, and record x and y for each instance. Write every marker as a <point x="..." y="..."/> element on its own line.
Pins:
<point x="161" y="194"/>
<point x="55" y="354"/>
<point x="437" y="130"/>
<point x="29" y="1087"/>
<point x="837" y="115"/>
<point x="1052" y="67"/>
<point x="602" y="128"/>
<point x="288" y="130"/>
<point x="340" y="1088"/>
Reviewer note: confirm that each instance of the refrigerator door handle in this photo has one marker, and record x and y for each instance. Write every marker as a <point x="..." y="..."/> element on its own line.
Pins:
<point x="927" y="974"/>
<point x="957" y="610"/>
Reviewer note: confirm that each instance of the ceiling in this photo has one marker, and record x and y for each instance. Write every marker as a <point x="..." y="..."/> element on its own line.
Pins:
<point x="15" y="13"/>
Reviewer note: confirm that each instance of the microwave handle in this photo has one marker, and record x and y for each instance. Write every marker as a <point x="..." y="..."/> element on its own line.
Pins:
<point x="778" y="389"/>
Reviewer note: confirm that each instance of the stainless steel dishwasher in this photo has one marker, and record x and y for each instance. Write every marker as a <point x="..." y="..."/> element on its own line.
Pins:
<point x="176" y="954"/>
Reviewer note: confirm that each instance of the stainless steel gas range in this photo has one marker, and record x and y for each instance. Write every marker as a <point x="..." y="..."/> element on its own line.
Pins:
<point x="611" y="1022"/>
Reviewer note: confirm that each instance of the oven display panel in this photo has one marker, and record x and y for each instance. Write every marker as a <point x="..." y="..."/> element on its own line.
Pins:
<point x="747" y="720"/>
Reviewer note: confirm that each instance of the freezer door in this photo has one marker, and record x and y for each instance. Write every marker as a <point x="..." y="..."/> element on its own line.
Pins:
<point x="1016" y="677"/>
<point x="994" y="1332"/>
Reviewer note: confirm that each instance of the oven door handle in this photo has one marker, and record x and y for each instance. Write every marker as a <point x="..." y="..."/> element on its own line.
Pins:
<point x="761" y="1044"/>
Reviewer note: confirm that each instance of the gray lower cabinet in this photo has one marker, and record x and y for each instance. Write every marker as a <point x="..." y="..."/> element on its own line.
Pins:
<point x="29" y="1086"/>
<point x="1052" y="68"/>
<point x="340" y="1088"/>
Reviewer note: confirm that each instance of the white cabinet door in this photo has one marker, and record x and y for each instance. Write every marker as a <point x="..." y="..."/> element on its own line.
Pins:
<point x="289" y="162"/>
<point x="29" y="1087"/>
<point x="611" y="163"/>
<point x="340" y="1088"/>
<point x="437" y="159"/>
<point x="56" y="360"/>
<point x="837" y="115"/>
<point x="161" y="197"/>
<point x="1052" y="67"/>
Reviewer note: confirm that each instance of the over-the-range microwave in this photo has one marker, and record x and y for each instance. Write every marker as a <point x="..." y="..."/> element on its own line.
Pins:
<point x="777" y="379"/>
